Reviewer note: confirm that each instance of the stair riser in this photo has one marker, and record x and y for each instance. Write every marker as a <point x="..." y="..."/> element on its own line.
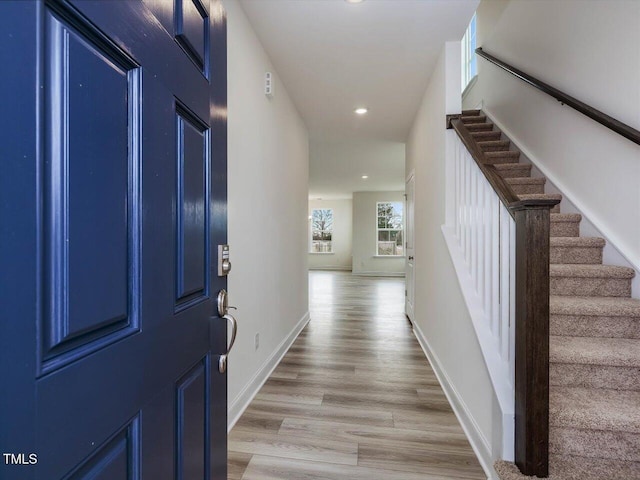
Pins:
<point x="594" y="376"/>
<point x="593" y="326"/>
<point x="511" y="157"/>
<point x="515" y="173"/>
<point x="565" y="229"/>
<point x="495" y="148"/>
<point x="576" y="255"/>
<point x="499" y="160"/>
<point x="474" y="119"/>
<point x="598" y="287"/>
<point x="595" y="443"/>
<point x="520" y="188"/>
<point x="485" y="135"/>
<point x="478" y="127"/>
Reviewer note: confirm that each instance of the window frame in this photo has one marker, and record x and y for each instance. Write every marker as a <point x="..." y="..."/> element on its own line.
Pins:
<point x="311" y="229"/>
<point x="469" y="44"/>
<point x="401" y="230"/>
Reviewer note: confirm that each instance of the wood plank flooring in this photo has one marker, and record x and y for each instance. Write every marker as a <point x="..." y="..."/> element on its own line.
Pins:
<point x="354" y="398"/>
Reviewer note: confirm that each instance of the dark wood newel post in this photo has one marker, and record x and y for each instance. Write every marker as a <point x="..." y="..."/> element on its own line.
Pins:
<point x="532" y="340"/>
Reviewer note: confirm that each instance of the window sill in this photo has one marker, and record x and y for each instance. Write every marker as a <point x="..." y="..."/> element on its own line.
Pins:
<point x="321" y="253"/>
<point x="388" y="256"/>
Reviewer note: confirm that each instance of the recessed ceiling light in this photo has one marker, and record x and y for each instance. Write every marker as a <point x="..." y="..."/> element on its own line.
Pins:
<point x="354" y="1"/>
<point x="365" y="176"/>
<point x="361" y="110"/>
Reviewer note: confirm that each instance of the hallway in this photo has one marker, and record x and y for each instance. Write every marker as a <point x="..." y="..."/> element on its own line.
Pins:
<point x="354" y="398"/>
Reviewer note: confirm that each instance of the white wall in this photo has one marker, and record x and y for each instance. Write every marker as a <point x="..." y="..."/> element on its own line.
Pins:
<point x="365" y="261"/>
<point x="441" y="319"/>
<point x="591" y="50"/>
<point x="268" y="191"/>
<point x="340" y="258"/>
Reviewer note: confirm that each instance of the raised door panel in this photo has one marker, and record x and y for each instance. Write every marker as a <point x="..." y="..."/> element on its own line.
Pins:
<point x="117" y="459"/>
<point x="192" y="415"/>
<point x="192" y="220"/>
<point x="192" y="30"/>
<point x="91" y="188"/>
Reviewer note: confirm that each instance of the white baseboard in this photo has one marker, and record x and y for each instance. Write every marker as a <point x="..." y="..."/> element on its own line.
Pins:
<point x="379" y="274"/>
<point x="330" y="268"/>
<point x="245" y="397"/>
<point x="471" y="429"/>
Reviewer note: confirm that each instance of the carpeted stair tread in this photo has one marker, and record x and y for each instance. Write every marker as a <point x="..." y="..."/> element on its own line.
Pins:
<point x="576" y="250"/>
<point x="575" y="468"/>
<point x="486" y="134"/>
<point x="594" y="306"/>
<point x="479" y="127"/>
<point x="594" y="409"/>
<point x="526" y="181"/>
<point x="524" y="185"/>
<point x="591" y="271"/>
<point x="588" y="242"/>
<point x="494" y="145"/>
<point x="613" y="352"/>
<point x="565" y="224"/>
<point x="566" y="217"/>
<point x="468" y="113"/>
<point x="510" y="154"/>
<point x="513" y="170"/>
<point x="468" y="119"/>
<point x="540" y="196"/>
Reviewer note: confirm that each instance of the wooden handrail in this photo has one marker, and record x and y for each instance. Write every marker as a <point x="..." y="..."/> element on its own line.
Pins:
<point x="532" y="287"/>
<point x="591" y="112"/>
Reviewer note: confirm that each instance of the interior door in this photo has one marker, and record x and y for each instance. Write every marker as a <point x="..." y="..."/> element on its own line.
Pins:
<point x="113" y="199"/>
<point x="410" y="265"/>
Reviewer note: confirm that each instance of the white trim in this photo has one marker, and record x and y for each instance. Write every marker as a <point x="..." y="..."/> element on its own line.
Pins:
<point x="379" y="274"/>
<point x="388" y="256"/>
<point x="478" y="441"/>
<point x="592" y="217"/>
<point x="246" y="396"/>
<point x="332" y="268"/>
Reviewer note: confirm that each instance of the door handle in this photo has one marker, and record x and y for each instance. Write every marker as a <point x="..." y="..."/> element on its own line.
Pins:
<point x="222" y="363"/>
<point x="223" y="312"/>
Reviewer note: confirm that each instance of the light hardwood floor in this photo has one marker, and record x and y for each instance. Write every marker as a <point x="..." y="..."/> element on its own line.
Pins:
<point x="353" y="399"/>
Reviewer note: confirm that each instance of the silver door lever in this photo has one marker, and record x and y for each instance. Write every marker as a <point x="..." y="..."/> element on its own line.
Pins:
<point x="223" y="312"/>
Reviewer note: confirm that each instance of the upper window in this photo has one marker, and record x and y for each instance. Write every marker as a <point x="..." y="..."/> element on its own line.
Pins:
<point x="389" y="231"/>
<point x="321" y="230"/>
<point x="469" y="57"/>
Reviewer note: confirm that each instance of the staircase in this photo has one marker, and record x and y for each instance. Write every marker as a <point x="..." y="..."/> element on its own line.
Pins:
<point x="595" y="338"/>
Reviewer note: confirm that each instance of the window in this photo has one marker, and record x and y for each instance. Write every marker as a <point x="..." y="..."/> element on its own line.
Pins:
<point x="390" y="228"/>
<point x="321" y="230"/>
<point x="469" y="57"/>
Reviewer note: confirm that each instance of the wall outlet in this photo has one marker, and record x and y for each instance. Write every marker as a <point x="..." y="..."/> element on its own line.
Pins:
<point x="257" y="341"/>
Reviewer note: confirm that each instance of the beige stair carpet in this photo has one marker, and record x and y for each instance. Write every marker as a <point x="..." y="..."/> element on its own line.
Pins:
<point x="594" y="416"/>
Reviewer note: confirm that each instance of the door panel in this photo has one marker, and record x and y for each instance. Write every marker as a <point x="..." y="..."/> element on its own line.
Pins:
<point x="122" y="192"/>
<point x="192" y="208"/>
<point x="91" y="179"/>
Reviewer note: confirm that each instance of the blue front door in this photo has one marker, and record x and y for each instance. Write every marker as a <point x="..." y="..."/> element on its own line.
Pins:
<point x="112" y="201"/>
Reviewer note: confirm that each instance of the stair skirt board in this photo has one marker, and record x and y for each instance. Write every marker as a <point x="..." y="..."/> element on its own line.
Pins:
<point x="594" y="402"/>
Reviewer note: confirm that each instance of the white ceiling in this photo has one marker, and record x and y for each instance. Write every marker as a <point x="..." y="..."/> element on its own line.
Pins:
<point x="333" y="56"/>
